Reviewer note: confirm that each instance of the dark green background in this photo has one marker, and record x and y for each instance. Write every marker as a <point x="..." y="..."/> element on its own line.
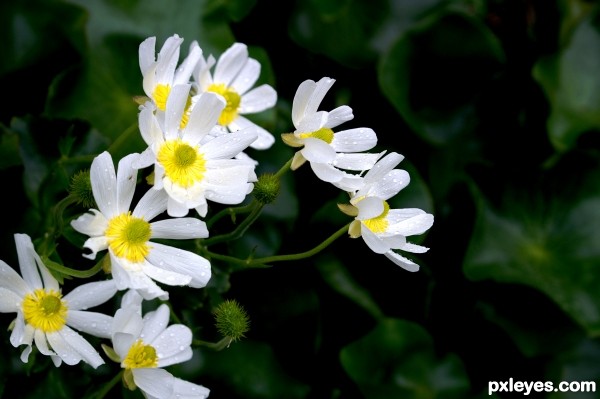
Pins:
<point x="495" y="105"/>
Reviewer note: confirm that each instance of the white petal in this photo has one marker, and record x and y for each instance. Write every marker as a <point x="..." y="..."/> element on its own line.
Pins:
<point x="127" y="320"/>
<point x="326" y="172"/>
<point x="187" y="390"/>
<point x="178" y="97"/>
<point x="176" y="208"/>
<point x="184" y="71"/>
<point x="152" y="204"/>
<point x="247" y="76"/>
<point x="155" y="382"/>
<point x="173" y="345"/>
<point x="95" y="245"/>
<point x="376" y="244"/>
<point x="204" y="116"/>
<point x="64" y="348"/>
<point x="356" y="162"/>
<point x="12" y="281"/>
<point x="92" y="224"/>
<point x="414" y="225"/>
<point x="127" y="275"/>
<point x="180" y="228"/>
<point x="231" y="63"/>
<point x="338" y="116"/>
<point x="308" y="98"/>
<point x="91" y="294"/>
<point x="390" y="184"/>
<point x="354" y="140"/>
<point x="383" y="167"/>
<point x="145" y="159"/>
<point x="27" y="264"/>
<point x="9" y="301"/>
<point x="369" y="208"/>
<point x="122" y="343"/>
<point x="81" y="346"/>
<point x="154" y="323"/>
<point x="21" y="334"/>
<point x="180" y="261"/>
<point x="167" y="59"/>
<point x="147" y="54"/>
<point x="264" y="139"/>
<point x="317" y="150"/>
<point x="229" y="145"/>
<point x="158" y="273"/>
<point x="312" y="122"/>
<point x="104" y="184"/>
<point x="401" y="261"/>
<point x="258" y="99"/>
<point x="41" y="342"/>
<point x="93" y="323"/>
<point x="149" y="128"/>
<point x="395" y="241"/>
<point x="414" y="248"/>
<point x="126" y="181"/>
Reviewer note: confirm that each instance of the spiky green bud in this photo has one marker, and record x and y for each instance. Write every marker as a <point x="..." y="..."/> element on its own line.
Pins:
<point x="81" y="189"/>
<point x="231" y="320"/>
<point x="266" y="189"/>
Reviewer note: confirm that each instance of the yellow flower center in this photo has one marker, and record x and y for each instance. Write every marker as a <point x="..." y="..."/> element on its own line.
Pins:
<point x="45" y="310"/>
<point x="324" y="133"/>
<point x="140" y="356"/>
<point x="160" y="95"/>
<point x="233" y="100"/>
<point x="378" y="224"/>
<point x="183" y="164"/>
<point x="128" y="237"/>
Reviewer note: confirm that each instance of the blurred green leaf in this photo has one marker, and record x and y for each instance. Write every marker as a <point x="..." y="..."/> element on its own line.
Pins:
<point x="397" y="360"/>
<point x="580" y="363"/>
<point x="9" y="148"/>
<point x="250" y="370"/>
<point x="235" y="10"/>
<point x="544" y="239"/>
<point x="571" y="82"/>
<point x="338" y="277"/>
<point x="101" y="91"/>
<point x="435" y="73"/>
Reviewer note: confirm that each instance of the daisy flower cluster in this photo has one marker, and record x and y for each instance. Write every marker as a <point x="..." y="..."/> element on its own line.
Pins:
<point x="193" y="120"/>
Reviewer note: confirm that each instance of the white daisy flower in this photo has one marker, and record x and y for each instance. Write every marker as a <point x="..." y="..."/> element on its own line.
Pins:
<point x="160" y="73"/>
<point x="326" y="150"/>
<point x="145" y="345"/>
<point x="136" y="260"/>
<point x="45" y="316"/>
<point x="190" y="168"/>
<point x="234" y="74"/>
<point x="384" y="229"/>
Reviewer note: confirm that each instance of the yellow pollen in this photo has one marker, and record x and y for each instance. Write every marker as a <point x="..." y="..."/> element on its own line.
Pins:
<point x="160" y="95"/>
<point x="45" y="310"/>
<point x="324" y="133"/>
<point x="378" y="224"/>
<point x="128" y="237"/>
<point x="233" y="100"/>
<point x="186" y="114"/>
<point x="140" y="356"/>
<point x="184" y="165"/>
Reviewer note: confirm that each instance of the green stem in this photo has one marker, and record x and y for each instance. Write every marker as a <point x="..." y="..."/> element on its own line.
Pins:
<point x="258" y="262"/>
<point x="122" y="138"/>
<point x="50" y="264"/>
<point x="56" y="225"/>
<point x="222" y="344"/>
<point x="108" y="386"/>
<point x="239" y="230"/>
<point x="231" y="211"/>
<point x="284" y="168"/>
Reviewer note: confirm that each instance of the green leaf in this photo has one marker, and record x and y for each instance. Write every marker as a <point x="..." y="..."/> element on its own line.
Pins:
<point x="435" y="73"/>
<point x="9" y="148"/>
<point x="571" y="82"/>
<point x="546" y="239"/>
<point x="397" y="360"/>
<point x="101" y="91"/>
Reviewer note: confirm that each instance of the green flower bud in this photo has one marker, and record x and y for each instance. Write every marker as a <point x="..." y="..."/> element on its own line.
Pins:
<point x="231" y="320"/>
<point x="266" y="189"/>
<point x="81" y="189"/>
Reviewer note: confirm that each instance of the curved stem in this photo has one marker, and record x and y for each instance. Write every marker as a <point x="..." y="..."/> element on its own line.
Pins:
<point x="123" y="138"/>
<point x="232" y="211"/>
<point x="284" y="168"/>
<point x="262" y="262"/>
<point x="50" y="264"/>
<point x="239" y="230"/>
<point x="222" y="344"/>
<point x="101" y="393"/>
